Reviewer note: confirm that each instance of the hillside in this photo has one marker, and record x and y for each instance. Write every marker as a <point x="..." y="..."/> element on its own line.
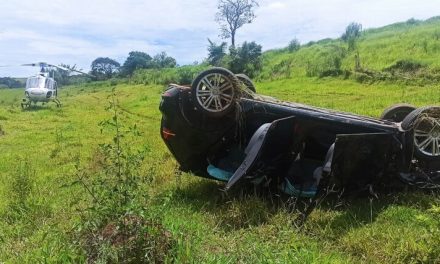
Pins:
<point x="379" y="48"/>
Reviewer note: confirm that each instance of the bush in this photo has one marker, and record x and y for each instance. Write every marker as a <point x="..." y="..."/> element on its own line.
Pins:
<point x="116" y="226"/>
<point x="245" y="59"/>
<point x="413" y="21"/>
<point x="21" y="206"/>
<point x="281" y="70"/>
<point x="293" y="46"/>
<point x="406" y="66"/>
<point x="327" y="62"/>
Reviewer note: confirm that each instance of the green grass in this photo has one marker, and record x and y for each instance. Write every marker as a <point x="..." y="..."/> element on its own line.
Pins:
<point x="208" y="226"/>
<point x="40" y="147"/>
<point x="378" y="48"/>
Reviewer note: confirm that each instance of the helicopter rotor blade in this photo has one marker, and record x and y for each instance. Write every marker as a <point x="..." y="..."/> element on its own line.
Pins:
<point x="67" y="69"/>
<point x="48" y="65"/>
<point x="83" y="73"/>
<point x="39" y="64"/>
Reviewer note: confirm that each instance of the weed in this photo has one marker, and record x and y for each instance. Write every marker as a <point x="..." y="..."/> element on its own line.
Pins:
<point x="282" y="70"/>
<point x="118" y="226"/>
<point x="59" y="142"/>
<point x="19" y="190"/>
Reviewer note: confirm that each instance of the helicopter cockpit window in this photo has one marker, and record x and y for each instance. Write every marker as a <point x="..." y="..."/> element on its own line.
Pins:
<point x="35" y="82"/>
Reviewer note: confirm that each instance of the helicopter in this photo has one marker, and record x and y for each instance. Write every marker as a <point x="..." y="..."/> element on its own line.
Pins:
<point x="42" y="87"/>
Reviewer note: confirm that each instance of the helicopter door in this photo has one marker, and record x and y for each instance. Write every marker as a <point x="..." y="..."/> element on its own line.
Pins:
<point x="50" y="84"/>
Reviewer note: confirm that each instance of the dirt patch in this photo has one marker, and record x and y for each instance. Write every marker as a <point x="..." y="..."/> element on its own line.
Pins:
<point x="133" y="238"/>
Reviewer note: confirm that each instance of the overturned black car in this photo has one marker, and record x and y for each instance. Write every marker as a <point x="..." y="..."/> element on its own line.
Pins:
<point x="220" y="128"/>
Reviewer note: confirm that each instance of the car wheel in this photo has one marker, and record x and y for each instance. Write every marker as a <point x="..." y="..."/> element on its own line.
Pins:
<point x="246" y="81"/>
<point x="425" y="124"/>
<point x="214" y="91"/>
<point x="397" y="112"/>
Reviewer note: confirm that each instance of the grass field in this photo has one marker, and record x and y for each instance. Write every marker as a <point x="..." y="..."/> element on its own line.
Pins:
<point x="45" y="143"/>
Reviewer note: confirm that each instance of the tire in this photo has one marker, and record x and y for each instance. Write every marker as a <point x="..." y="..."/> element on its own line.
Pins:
<point x="424" y="123"/>
<point x="214" y="91"/>
<point x="397" y="112"/>
<point x="246" y="81"/>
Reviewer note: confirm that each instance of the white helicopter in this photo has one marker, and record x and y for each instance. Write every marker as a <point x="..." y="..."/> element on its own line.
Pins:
<point x="43" y="87"/>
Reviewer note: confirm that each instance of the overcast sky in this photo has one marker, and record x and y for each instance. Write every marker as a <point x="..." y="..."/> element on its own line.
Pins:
<point x="78" y="31"/>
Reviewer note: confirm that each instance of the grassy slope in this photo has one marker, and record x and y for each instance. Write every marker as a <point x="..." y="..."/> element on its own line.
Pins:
<point x="378" y="48"/>
<point x="208" y="226"/>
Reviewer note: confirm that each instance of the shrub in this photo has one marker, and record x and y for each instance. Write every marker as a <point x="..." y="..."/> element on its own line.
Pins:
<point x="19" y="192"/>
<point x="405" y="66"/>
<point x="326" y="63"/>
<point x="282" y="69"/>
<point x="413" y="21"/>
<point x="294" y="45"/>
<point x="246" y="59"/>
<point x="216" y="53"/>
<point x="116" y="225"/>
<point x="352" y="32"/>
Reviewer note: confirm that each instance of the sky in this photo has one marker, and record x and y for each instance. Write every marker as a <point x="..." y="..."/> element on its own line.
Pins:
<point x="76" y="32"/>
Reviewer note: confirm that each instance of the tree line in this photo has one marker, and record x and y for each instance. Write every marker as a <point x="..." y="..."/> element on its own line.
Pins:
<point x="105" y="68"/>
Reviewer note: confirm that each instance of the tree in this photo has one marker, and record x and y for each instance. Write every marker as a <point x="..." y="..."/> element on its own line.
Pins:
<point x="233" y="14"/>
<point x="104" y="68"/>
<point x="162" y="60"/>
<point x="61" y="76"/>
<point x="137" y="60"/>
<point x="351" y="35"/>
<point x="216" y="52"/>
<point x="294" y="45"/>
<point x="246" y="59"/>
<point x="10" y="82"/>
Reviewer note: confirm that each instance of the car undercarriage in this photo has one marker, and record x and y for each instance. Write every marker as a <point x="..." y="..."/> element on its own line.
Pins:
<point x="220" y="128"/>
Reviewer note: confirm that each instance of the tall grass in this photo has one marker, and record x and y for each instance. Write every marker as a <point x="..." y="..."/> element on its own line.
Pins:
<point x="378" y="49"/>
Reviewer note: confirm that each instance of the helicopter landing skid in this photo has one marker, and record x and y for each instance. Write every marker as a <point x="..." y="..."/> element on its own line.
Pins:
<point x="25" y="103"/>
<point x="57" y="102"/>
